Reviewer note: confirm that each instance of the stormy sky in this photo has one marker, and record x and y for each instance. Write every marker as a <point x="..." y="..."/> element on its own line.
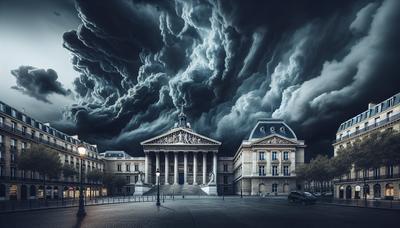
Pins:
<point x="118" y="71"/>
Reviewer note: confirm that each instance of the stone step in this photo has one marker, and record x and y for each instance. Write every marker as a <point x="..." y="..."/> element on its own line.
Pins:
<point x="177" y="190"/>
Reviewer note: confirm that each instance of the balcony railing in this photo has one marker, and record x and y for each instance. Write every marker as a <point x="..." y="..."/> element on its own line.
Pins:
<point x="380" y="177"/>
<point x="371" y="127"/>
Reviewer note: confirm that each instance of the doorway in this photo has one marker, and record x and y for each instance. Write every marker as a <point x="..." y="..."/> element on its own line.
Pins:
<point x="181" y="178"/>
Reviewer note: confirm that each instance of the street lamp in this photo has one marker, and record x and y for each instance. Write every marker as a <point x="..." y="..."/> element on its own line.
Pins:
<point x="158" y="187"/>
<point x="81" y="210"/>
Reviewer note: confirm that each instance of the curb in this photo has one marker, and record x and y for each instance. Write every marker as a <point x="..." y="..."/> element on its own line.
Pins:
<point x="346" y="205"/>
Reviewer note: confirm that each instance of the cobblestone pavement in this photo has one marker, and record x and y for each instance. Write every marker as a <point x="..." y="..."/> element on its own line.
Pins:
<point x="208" y="213"/>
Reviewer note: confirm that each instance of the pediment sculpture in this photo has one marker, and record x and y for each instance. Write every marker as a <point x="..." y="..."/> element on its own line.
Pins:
<point x="180" y="137"/>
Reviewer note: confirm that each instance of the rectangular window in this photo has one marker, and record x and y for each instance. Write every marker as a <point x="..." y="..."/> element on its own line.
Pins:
<point x="2" y="107"/>
<point x="12" y="169"/>
<point x="377" y="173"/>
<point x="388" y="115"/>
<point x="225" y="167"/>
<point x="389" y="171"/>
<point x="128" y="167"/>
<point x="13" y="143"/>
<point x="13" y="113"/>
<point x="13" y="125"/>
<point x="286" y="170"/>
<point x="119" y="169"/>
<point x="136" y="167"/>
<point x="274" y="153"/>
<point x="274" y="170"/>
<point x="136" y="179"/>
<point x="274" y="187"/>
<point x="285" y="155"/>
<point x="261" y="170"/>
<point x="128" y="179"/>
<point x="24" y="118"/>
<point x="1" y="120"/>
<point x="262" y="156"/>
<point x="376" y="120"/>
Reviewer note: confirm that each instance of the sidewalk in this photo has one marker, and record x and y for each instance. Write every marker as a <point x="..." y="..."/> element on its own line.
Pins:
<point x="378" y="204"/>
<point x="29" y="205"/>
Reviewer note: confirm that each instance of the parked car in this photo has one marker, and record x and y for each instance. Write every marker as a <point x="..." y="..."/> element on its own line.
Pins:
<point x="302" y="197"/>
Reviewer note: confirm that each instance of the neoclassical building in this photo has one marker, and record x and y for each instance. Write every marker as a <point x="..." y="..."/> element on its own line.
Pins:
<point x="265" y="163"/>
<point x="378" y="183"/>
<point x="182" y="156"/>
<point x="18" y="132"/>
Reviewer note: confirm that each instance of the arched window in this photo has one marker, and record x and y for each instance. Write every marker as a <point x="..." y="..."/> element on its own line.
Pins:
<point x="389" y="190"/>
<point x="348" y="192"/>
<point x="377" y="190"/>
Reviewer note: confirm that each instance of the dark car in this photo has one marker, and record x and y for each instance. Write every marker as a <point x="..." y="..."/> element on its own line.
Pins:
<point x="302" y="197"/>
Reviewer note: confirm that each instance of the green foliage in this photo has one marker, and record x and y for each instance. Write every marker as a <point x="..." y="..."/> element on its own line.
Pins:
<point x="69" y="170"/>
<point x="375" y="150"/>
<point x="40" y="159"/>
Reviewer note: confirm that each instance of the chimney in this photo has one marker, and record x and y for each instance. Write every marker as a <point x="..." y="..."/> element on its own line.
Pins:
<point x="371" y="105"/>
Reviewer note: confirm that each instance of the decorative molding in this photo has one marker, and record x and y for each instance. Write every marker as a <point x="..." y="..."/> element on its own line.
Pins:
<point x="274" y="140"/>
<point x="180" y="137"/>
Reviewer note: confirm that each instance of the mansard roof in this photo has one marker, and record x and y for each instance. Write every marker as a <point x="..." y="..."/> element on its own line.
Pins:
<point x="266" y="127"/>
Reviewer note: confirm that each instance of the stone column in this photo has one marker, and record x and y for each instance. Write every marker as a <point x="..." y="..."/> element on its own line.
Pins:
<point x="175" y="168"/>
<point x="184" y="167"/>
<point x="166" y="168"/>
<point x="157" y="165"/>
<point x="194" y="168"/>
<point x="204" y="167"/>
<point x="215" y="166"/>
<point x="146" y="167"/>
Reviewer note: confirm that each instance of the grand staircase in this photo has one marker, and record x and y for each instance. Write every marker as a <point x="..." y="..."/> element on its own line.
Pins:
<point x="177" y="190"/>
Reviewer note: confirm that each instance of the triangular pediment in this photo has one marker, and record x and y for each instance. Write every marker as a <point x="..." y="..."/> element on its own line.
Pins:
<point x="180" y="136"/>
<point x="274" y="139"/>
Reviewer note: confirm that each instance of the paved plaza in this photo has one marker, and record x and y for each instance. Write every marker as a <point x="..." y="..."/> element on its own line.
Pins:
<point x="213" y="212"/>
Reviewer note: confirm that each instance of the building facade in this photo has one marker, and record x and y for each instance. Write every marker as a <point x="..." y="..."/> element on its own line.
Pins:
<point x="182" y="156"/>
<point x="265" y="164"/>
<point x="380" y="183"/>
<point x="18" y="132"/>
<point x="122" y="164"/>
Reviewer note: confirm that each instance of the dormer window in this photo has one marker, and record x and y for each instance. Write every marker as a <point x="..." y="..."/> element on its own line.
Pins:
<point x="282" y="129"/>
<point x="13" y="113"/>
<point x="272" y="130"/>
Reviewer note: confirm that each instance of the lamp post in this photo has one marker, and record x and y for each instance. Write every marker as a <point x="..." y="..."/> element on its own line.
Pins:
<point x="158" y="187"/>
<point x="81" y="210"/>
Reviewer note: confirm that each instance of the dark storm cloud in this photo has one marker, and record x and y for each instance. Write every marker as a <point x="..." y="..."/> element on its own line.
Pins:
<point x="312" y="63"/>
<point x="38" y="83"/>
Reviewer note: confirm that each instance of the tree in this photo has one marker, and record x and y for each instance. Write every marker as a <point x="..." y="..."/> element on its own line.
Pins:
<point x="390" y="148"/>
<point x="112" y="181"/>
<point x="69" y="170"/>
<point x="41" y="159"/>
